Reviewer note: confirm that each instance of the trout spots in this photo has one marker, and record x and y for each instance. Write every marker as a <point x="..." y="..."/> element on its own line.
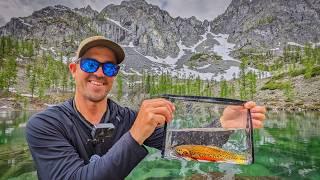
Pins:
<point x="208" y="153"/>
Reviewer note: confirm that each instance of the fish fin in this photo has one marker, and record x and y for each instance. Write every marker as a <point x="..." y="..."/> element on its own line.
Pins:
<point x="241" y="161"/>
<point x="200" y="160"/>
<point x="188" y="158"/>
<point x="217" y="148"/>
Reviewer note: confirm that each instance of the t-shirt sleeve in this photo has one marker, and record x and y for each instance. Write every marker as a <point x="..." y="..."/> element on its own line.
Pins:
<point x="56" y="158"/>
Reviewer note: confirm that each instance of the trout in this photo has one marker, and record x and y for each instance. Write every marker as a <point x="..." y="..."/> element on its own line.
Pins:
<point x="208" y="153"/>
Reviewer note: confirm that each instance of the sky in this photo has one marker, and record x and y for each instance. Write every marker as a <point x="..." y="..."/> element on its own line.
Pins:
<point x="202" y="9"/>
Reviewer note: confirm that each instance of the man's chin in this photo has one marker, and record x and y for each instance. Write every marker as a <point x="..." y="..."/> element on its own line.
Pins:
<point x="96" y="98"/>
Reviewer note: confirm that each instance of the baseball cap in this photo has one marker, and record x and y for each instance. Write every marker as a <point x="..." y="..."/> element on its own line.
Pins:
<point x="95" y="41"/>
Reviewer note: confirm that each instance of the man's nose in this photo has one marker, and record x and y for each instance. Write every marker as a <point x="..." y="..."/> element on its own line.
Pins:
<point x="99" y="72"/>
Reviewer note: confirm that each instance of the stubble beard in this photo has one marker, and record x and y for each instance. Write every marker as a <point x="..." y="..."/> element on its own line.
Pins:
<point x="93" y="96"/>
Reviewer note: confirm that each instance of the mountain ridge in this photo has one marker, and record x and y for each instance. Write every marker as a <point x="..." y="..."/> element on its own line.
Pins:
<point x="270" y="24"/>
<point x="152" y="34"/>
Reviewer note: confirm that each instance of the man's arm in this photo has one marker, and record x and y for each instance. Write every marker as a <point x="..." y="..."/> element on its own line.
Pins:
<point x="56" y="158"/>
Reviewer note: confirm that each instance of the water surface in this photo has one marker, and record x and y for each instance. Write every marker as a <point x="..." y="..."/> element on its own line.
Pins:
<point x="288" y="147"/>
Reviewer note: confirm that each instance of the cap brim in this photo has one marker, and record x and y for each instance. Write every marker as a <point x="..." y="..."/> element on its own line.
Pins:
<point x="118" y="51"/>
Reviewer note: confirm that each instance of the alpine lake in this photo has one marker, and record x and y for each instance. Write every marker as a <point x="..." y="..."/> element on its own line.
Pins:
<point x="288" y="147"/>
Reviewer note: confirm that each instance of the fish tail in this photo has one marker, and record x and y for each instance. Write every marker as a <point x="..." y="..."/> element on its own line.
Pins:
<point x="240" y="159"/>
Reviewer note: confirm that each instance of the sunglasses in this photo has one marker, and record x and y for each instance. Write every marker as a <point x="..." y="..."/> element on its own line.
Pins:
<point x="90" y="65"/>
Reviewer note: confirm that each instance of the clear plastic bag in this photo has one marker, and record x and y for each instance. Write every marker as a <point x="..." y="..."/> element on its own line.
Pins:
<point x="196" y="133"/>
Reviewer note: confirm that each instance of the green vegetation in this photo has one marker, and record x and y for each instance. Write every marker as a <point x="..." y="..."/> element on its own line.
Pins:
<point x="163" y="83"/>
<point x="43" y="72"/>
<point x="203" y="57"/>
<point x="285" y="86"/>
<point x="46" y="73"/>
<point x="273" y="85"/>
<point x="293" y="62"/>
<point x="265" y="20"/>
<point x="249" y="25"/>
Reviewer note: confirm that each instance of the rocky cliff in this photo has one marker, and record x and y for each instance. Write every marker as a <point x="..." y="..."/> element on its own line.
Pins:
<point x="270" y="23"/>
<point x="153" y="39"/>
<point x="151" y="30"/>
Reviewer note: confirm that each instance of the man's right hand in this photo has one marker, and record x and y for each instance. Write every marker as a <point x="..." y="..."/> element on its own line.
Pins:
<point x="153" y="113"/>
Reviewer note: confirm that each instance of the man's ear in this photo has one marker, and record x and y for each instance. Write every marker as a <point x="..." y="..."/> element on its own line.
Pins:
<point x="73" y="69"/>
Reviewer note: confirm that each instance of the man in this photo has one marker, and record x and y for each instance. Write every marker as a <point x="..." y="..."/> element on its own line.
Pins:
<point x="62" y="138"/>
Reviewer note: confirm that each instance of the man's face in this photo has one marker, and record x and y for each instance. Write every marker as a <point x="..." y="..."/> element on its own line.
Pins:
<point x="93" y="86"/>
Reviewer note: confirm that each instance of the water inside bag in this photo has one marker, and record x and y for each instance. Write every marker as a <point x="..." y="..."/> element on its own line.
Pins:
<point x="197" y="134"/>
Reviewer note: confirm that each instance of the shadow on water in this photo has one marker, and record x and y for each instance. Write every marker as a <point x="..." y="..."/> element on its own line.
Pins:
<point x="287" y="148"/>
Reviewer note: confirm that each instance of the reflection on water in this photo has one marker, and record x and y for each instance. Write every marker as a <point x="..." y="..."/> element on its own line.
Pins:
<point x="15" y="159"/>
<point x="287" y="148"/>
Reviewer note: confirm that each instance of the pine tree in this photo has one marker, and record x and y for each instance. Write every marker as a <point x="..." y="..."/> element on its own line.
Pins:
<point x="148" y="84"/>
<point x="198" y="86"/>
<point x="8" y="73"/>
<point x="232" y="90"/>
<point x="252" y="78"/>
<point x="32" y="81"/>
<point x="289" y="92"/>
<point x="243" y="83"/>
<point x="308" y="61"/>
<point x="223" y="88"/>
<point x="2" y="48"/>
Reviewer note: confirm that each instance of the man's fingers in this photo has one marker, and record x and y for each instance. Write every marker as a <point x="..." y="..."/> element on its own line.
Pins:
<point x="259" y="109"/>
<point x="258" y="116"/>
<point x="164" y="111"/>
<point x="234" y="108"/>
<point x="158" y="120"/>
<point x="159" y="102"/>
<point x="257" y="124"/>
<point x="249" y="105"/>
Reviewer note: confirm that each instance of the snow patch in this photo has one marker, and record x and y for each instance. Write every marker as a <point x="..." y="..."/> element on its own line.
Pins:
<point x="130" y="45"/>
<point x="295" y="44"/>
<point x="12" y="89"/>
<point x="203" y="67"/>
<point x="28" y="95"/>
<point x="42" y="48"/>
<point x="22" y="21"/>
<point x="186" y="72"/>
<point x="136" y="72"/>
<point x="275" y="49"/>
<point x="224" y="48"/>
<point x="53" y="50"/>
<point x="62" y="8"/>
<point x="169" y="60"/>
<point x="118" y="24"/>
<point x="65" y="59"/>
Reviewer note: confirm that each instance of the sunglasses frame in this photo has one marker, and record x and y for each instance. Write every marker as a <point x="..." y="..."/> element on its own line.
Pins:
<point x="214" y="100"/>
<point x="116" y="66"/>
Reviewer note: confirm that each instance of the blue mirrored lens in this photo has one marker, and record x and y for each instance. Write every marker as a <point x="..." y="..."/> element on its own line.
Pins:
<point x="89" y="65"/>
<point x="110" y="69"/>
